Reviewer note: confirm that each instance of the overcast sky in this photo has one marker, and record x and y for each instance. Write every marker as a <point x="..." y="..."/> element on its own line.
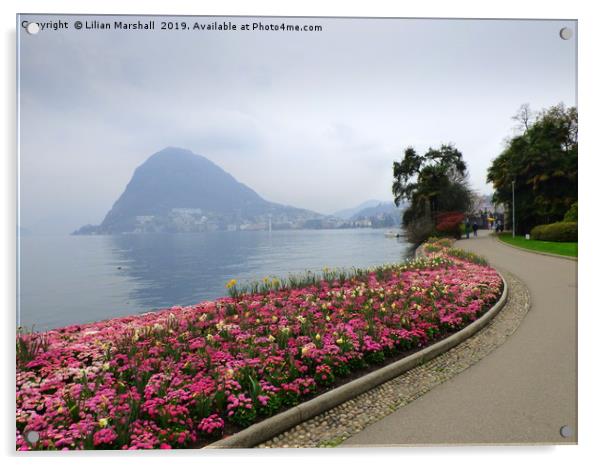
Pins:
<point x="310" y="119"/>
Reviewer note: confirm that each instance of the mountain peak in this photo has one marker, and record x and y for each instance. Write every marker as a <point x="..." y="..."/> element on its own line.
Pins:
<point x="173" y="151"/>
<point x="176" y="189"/>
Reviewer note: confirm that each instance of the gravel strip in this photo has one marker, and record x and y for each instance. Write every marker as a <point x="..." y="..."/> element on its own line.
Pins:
<point x="331" y="428"/>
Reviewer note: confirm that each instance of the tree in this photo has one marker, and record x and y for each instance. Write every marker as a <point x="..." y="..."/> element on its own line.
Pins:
<point x="433" y="183"/>
<point x="543" y="164"/>
<point x="571" y="215"/>
<point x="523" y="116"/>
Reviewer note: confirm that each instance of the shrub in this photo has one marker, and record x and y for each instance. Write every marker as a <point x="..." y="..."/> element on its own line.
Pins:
<point x="449" y="223"/>
<point x="571" y="214"/>
<point x="555" y="232"/>
<point x="419" y="230"/>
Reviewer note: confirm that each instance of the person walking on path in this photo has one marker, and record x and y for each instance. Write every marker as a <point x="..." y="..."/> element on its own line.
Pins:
<point x="467" y="228"/>
<point x="475" y="226"/>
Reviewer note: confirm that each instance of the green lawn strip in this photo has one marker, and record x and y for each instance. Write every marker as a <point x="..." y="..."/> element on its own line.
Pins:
<point x="560" y="248"/>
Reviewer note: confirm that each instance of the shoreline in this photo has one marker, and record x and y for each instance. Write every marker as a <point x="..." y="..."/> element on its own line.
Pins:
<point x="168" y="327"/>
<point x="134" y="277"/>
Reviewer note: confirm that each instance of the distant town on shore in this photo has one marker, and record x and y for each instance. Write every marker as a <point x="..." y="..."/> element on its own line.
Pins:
<point x="177" y="191"/>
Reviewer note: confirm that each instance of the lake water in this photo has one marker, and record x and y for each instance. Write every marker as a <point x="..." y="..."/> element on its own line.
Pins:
<point x="78" y="279"/>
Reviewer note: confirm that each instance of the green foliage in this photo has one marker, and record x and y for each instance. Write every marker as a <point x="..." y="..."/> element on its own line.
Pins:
<point x="556" y="232"/>
<point x="375" y="358"/>
<point x="419" y="229"/>
<point x="29" y="345"/>
<point x="416" y="172"/>
<point x="571" y="214"/>
<point x="542" y="161"/>
<point x="468" y="256"/>
<point x="298" y="281"/>
<point x="433" y="183"/>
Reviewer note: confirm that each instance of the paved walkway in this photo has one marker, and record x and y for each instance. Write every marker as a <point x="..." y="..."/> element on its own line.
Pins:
<point x="524" y="391"/>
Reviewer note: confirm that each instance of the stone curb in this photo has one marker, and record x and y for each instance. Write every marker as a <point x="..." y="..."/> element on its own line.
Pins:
<point x="566" y="257"/>
<point x="270" y="427"/>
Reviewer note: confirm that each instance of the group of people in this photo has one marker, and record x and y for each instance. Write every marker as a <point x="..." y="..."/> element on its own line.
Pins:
<point x="499" y="227"/>
<point x="467" y="227"/>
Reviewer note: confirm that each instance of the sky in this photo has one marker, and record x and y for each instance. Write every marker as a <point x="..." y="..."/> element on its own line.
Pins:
<point x="308" y="119"/>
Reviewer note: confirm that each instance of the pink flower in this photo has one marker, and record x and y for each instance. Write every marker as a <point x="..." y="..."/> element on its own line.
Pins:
<point x="104" y="436"/>
<point x="161" y="376"/>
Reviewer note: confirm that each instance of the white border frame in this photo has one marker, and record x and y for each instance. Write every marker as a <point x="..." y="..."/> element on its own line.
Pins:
<point x="590" y="76"/>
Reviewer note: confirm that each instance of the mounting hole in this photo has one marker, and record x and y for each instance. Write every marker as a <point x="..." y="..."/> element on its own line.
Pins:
<point x="32" y="437"/>
<point x="566" y="33"/>
<point x="33" y="28"/>
<point x="566" y="431"/>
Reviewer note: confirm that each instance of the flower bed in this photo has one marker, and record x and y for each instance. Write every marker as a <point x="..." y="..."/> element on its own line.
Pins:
<point x="182" y="376"/>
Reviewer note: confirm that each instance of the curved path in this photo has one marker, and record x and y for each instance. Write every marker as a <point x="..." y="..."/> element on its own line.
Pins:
<point x="524" y="391"/>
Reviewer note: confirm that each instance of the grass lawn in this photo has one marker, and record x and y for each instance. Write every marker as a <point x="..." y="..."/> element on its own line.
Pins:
<point x="560" y="248"/>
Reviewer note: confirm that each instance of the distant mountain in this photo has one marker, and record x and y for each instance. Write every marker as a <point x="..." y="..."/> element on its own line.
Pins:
<point x="176" y="190"/>
<point x="347" y="213"/>
<point x="385" y="214"/>
<point x="379" y="209"/>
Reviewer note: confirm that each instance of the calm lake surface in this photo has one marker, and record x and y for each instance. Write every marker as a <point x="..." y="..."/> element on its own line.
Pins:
<point x="79" y="279"/>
